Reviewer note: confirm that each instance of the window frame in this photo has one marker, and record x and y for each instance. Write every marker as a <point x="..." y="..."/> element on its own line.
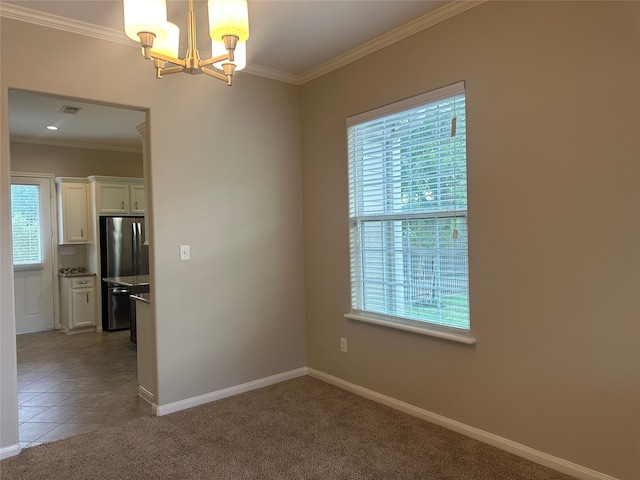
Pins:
<point x="420" y="326"/>
<point x="31" y="265"/>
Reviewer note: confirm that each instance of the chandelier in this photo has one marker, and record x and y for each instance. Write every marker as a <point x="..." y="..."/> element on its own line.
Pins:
<point x="146" y="21"/>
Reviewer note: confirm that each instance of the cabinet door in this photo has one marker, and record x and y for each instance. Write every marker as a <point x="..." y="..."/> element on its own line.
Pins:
<point x="83" y="308"/>
<point x="75" y="213"/>
<point x="137" y="199"/>
<point x="113" y="198"/>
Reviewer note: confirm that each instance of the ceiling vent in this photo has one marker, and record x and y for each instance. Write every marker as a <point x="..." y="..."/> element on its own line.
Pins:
<point x="70" y="110"/>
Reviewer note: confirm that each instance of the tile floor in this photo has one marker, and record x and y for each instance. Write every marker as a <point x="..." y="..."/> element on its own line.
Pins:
<point x="72" y="384"/>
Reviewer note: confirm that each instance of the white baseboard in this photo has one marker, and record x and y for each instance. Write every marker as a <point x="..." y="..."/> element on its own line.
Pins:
<point x="536" y="456"/>
<point x="66" y="331"/>
<point x="10" y="451"/>
<point x="227" y="392"/>
<point x="145" y="394"/>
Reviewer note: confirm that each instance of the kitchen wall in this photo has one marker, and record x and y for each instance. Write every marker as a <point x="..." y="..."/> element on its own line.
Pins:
<point x="74" y="162"/>
<point x="553" y="108"/>
<point x="224" y="177"/>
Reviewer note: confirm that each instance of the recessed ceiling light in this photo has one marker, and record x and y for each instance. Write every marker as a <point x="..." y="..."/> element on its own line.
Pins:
<point x="52" y="127"/>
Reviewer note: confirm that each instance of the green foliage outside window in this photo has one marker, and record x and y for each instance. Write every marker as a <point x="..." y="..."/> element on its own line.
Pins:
<point x="25" y="223"/>
<point x="408" y="209"/>
<point x="433" y="174"/>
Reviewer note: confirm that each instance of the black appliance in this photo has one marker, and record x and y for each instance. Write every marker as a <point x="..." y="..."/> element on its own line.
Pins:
<point x="122" y="254"/>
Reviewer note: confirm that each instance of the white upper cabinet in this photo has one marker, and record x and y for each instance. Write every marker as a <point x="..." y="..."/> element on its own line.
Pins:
<point x="137" y="198"/>
<point x="119" y="196"/>
<point x="73" y="211"/>
<point x="112" y="198"/>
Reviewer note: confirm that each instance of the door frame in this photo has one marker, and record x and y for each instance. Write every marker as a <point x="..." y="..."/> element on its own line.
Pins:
<point x="54" y="239"/>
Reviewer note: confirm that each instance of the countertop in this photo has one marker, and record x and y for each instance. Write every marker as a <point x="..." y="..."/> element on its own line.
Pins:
<point x="142" y="297"/>
<point x="129" y="281"/>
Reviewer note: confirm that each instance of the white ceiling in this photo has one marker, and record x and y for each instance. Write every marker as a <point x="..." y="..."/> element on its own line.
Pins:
<point x="95" y="126"/>
<point x="290" y="40"/>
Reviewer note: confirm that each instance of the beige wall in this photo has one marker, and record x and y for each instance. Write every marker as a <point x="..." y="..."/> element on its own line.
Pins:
<point x="553" y="143"/>
<point x="553" y="108"/>
<point x="74" y="162"/>
<point x="225" y="178"/>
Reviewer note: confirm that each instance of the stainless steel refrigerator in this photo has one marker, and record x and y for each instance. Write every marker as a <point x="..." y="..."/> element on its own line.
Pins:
<point x="121" y="254"/>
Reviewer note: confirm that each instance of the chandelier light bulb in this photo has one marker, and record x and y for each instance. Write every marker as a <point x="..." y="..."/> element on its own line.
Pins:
<point x="145" y="16"/>
<point x="171" y="44"/>
<point x="228" y="18"/>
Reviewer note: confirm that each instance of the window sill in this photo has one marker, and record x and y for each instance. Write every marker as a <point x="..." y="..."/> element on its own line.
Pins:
<point x="454" y="337"/>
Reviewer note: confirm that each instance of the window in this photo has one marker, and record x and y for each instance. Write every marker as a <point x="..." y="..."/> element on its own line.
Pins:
<point x="408" y="212"/>
<point x="25" y="222"/>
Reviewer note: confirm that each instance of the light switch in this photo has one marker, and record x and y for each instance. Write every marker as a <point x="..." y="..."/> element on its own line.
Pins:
<point x="184" y="252"/>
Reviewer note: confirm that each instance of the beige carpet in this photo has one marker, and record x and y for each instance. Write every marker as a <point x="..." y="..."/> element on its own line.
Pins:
<point x="299" y="429"/>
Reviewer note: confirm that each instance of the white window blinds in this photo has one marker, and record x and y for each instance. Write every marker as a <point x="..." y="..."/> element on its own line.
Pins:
<point x="26" y="225"/>
<point x="408" y="209"/>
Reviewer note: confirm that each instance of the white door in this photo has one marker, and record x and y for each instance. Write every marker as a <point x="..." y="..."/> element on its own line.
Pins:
<point x="33" y="273"/>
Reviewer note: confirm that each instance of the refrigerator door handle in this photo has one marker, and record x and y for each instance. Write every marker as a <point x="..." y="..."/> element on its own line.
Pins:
<point x="137" y="248"/>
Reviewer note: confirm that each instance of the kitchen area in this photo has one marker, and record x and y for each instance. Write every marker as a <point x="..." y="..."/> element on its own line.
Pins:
<point x="104" y="263"/>
<point x="95" y="353"/>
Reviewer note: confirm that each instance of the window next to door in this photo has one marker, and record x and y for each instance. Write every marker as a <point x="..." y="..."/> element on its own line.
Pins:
<point x="408" y="213"/>
<point x="26" y="225"/>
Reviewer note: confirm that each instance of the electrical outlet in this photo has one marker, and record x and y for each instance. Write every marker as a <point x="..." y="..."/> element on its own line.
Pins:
<point x="184" y="252"/>
<point x="343" y="344"/>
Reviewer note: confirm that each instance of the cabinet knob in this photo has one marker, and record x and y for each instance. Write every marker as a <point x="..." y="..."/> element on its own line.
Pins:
<point x="123" y="204"/>
<point x="87" y="298"/>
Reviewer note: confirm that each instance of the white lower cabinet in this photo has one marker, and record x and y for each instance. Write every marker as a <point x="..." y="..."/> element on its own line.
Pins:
<point x="77" y="303"/>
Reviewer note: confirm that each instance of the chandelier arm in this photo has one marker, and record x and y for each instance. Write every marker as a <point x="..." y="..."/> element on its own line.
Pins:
<point x="210" y="61"/>
<point x="170" y="70"/>
<point x="166" y="58"/>
<point x="219" y="76"/>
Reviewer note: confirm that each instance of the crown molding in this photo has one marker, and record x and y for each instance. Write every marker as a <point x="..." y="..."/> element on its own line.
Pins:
<point x="23" y="14"/>
<point x="411" y="28"/>
<point x="271" y="73"/>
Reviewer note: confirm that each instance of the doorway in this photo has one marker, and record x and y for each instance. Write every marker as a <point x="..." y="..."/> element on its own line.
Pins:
<point x="92" y="139"/>
<point x="32" y="213"/>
